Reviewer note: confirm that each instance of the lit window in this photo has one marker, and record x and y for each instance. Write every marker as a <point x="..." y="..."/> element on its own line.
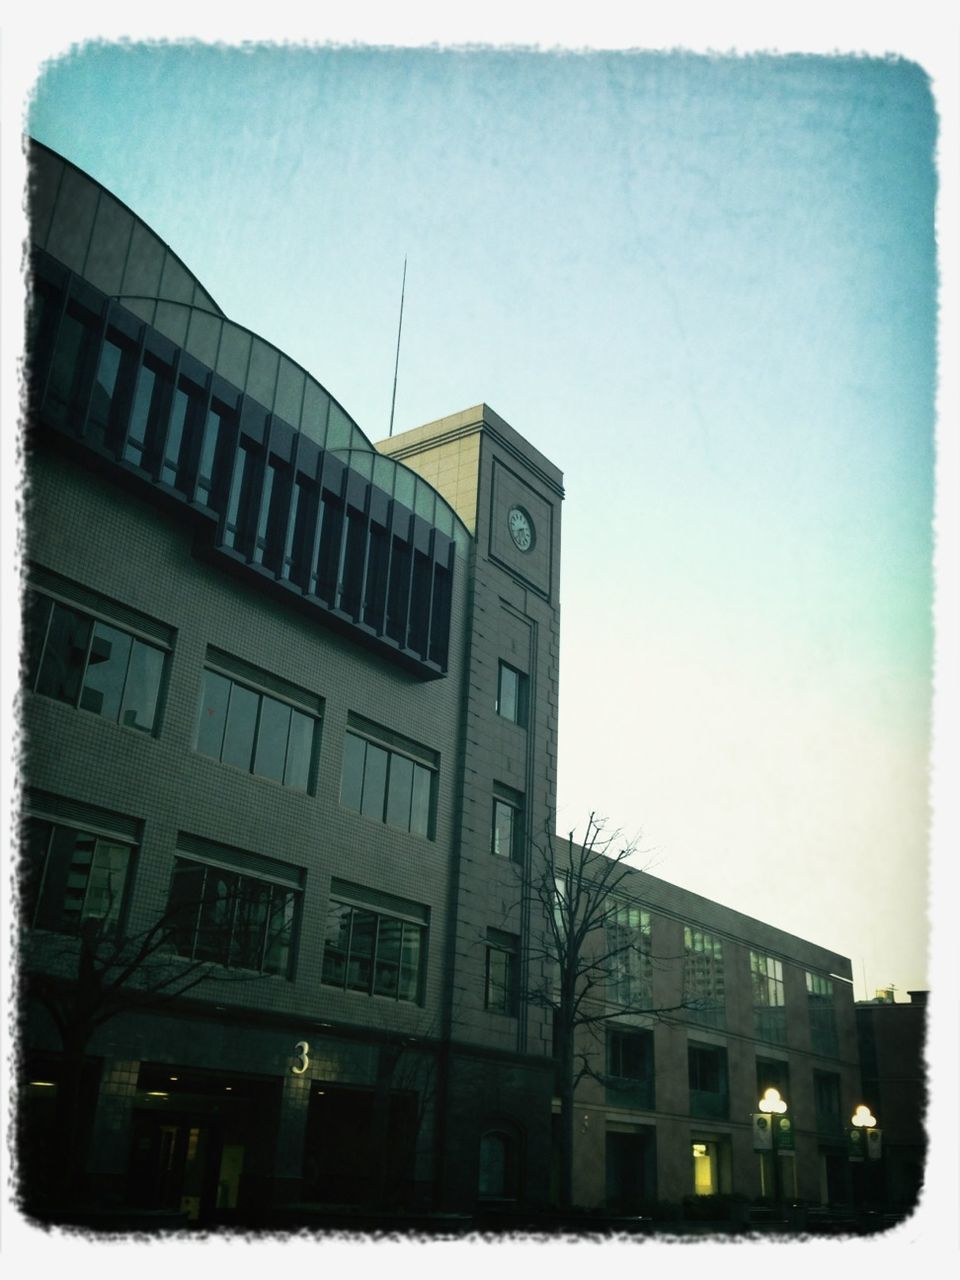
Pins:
<point x="88" y="662"/>
<point x="512" y="695"/>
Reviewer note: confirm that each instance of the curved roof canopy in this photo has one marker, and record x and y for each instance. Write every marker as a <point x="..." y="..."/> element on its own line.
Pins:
<point x="79" y="222"/>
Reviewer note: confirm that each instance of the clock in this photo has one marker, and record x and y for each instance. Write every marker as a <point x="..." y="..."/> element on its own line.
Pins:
<point x="521" y="528"/>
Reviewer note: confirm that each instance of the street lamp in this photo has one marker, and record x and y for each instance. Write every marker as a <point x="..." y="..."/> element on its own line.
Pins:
<point x="864" y="1139"/>
<point x="772" y="1132"/>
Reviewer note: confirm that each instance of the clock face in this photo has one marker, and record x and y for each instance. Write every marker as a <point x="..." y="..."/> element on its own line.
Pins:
<point x="521" y="528"/>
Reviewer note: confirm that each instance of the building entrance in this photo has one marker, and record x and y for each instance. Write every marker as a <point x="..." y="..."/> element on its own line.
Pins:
<point x="201" y="1142"/>
<point x="631" y="1164"/>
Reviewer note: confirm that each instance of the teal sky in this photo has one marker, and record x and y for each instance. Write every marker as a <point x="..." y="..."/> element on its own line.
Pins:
<point x="706" y="289"/>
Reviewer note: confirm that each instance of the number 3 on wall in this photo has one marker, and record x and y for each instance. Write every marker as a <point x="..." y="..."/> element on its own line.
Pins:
<point x="303" y="1059"/>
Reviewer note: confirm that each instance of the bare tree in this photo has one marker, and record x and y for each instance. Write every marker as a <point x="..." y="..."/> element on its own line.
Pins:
<point x="588" y="960"/>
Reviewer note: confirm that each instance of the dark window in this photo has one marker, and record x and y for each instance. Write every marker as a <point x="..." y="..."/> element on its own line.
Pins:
<point x="71" y="370"/>
<point x="497" y="1172"/>
<point x="150" y="403"/>
<point x="72" y="875"/>
<point x="374" y="952"/>
<point x="231" y="919"/>
<point x="299" y="551"/>
<point x="773" y="1074"/>
<point x="826" y="1100"/>
<point x="87" y="662"/>
<point x="398" y="590"/>
<point x="501" y="975"/>
<point x="256" y="732"/>
<point x="388" y="785"/>
<point x="512" y="695"/>
<point x="630" y="1068"/>
<point x="186" y="411"/>
<point x="823" y="1026"/>
<point x="241" y="501"/>
<point x="707" y="1071"/>
<point x="211" y="438"/>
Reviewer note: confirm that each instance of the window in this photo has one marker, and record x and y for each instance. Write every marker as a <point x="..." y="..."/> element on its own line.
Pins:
<point x="711" y="1166"/>
<point x="629" y="961"/>
<point x="826" y="1101"/>
<point x="823" y="1026"/>
<point x="507" y="829"/>
<point x="238" y="911"/>
<point x="512" y="695"/>
<point x="255" y="730"/>
<point x="72" y="874"/>
<point x="497" y="1167"/>
<point x="773" y="1074"/>
<point x="88" y="662"/>
<point x="703" y="985"/>
<point x="769" y="1017"/>
<point x="388" y="778"/>
<point x="630" y="1068"/>
<point x="500" y="994"/>
<point x="374" y="943"/>
<point x="707" y="1072"/>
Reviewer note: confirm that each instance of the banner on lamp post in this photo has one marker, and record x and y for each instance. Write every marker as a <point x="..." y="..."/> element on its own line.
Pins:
<point x="874" y="1144"/>
<point x="855" y="1144"/>
<point x="762" y="1133"/>
<point x="783" y="1133"/>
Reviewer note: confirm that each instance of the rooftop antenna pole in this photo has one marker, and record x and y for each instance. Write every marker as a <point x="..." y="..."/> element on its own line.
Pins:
<point x="396" y="366"/>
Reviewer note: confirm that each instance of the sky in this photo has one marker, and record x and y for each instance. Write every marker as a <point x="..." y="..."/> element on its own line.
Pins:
<point x="704" y="287"/>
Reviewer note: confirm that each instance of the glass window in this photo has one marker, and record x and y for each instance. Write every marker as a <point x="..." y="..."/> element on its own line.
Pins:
<point x="497" y="1167"/>
<point x="145" y="406"/>
<point x="255" y="732"/>
<point x="703" y="977"/>
<point x="372" y="952"/>
<point x="823" y="1026"/>
<point x="629" y="960"/>
<point x="826" y="1099"/>
<point x="501" y="976"/>
<point x="707" y="1073"/>
<point x="232" y="919"/>
<point x="72" y="875"/>
<point x="505" y="826"/>
<point x="512" y="695"/>
<point x="387" y="785"/>
<point x="769" y="1014"/>
<point x="92" y="664"/>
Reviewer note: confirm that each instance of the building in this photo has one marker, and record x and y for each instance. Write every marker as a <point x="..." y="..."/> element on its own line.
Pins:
<point x="290" y="715"/>
<point x="295" y="696"/>
<point x="892" y="1036"/>
<point x="702" y="1009"/>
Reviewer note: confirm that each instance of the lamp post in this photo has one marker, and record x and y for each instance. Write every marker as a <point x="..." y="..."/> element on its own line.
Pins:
<point x="772" y="1132"/>
<point x="864" y="1141"/>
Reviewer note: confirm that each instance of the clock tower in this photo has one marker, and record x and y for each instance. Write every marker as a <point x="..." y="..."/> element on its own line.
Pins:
<point x="499" y="1042"/>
